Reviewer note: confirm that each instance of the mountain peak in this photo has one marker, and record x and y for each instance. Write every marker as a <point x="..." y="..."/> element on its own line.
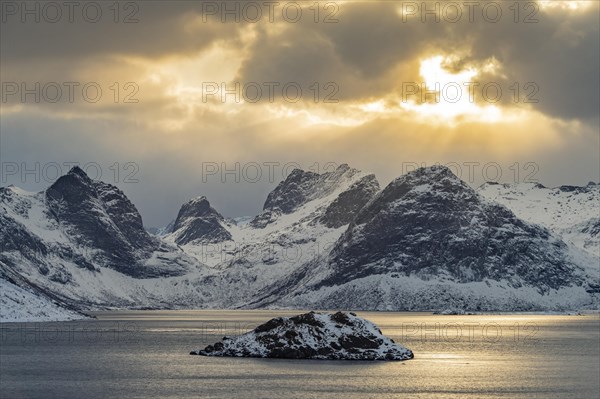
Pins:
<point x="429" y="221"/>
<point x="434" y="172"/>
<point x="196" y="207"/>
<point x="435" y="178"/>
<point x="302" y="186"/>
<point x="420" y="185"/>
<point x="77" y="171"/>
<point x="199" y="200"/>
<point x="299" y="172"/>
<point x="99" y="215"/>
<point x="76" y="186"/>
<point x="197" y="220"/>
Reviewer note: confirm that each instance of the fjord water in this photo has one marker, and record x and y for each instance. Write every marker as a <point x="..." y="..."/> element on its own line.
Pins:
<point x="145" y="354"/>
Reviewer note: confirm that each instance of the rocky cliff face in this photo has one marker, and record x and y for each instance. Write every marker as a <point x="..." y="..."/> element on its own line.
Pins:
<point x="99" y="216"/>
<point x="302" y="187"/>
<point x="79" y="241"/>
<point x="198" y="221"/>
<point x="427" y="241"/>
<point x="571" y="212"/>
<point x="430" y="224"/>
<point x="347" y="205"/>
<point x="294" y="191"/>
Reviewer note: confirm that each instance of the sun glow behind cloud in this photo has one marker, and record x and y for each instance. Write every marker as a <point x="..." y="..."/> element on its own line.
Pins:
<point x="448" y="99"/>
<point x="565" y="4"/>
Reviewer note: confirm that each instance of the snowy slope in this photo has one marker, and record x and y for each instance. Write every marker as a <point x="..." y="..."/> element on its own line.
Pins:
<point x="571" y="212"/>
<point x="20" y="305"/>
<point x="82" y="242"/>
<point x="428" y="241"/>
<point x="330" y="240"/>
<point x="47" y="252"/>
<point x="302" y="218"/>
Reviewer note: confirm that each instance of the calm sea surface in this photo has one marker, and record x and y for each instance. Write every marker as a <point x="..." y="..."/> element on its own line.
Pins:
<point x="145" y="354"/>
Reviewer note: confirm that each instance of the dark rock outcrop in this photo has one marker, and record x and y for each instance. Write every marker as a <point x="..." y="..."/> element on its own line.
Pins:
<point x="98" y="215"/>
<point x="198" y="221"/>
<point x="430" y="224"/>
<point x="339" y="336"/>
<point x="100" y="225"/>
<point x="294" y="191"/>
<point x="347" y="205"/>
<point x="302" y="186"/>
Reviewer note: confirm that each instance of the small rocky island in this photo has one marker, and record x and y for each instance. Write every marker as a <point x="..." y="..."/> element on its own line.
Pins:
<point x="324" y="336"/>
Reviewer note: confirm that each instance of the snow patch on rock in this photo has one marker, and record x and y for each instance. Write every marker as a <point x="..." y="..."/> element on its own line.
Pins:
<point x="322" y="336"/>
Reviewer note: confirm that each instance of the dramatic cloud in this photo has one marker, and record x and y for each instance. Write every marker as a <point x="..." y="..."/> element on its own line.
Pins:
<point x="183" y="91"/>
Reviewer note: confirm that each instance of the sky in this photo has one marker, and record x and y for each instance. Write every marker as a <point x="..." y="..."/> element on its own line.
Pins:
<point x="170" y="100"/>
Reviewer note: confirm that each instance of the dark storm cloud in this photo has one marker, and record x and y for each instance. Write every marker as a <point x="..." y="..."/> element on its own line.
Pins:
<point x="160" y="28"/>
<point x="374" y="50"/>
<point x="368" y="52"/>
<point x="372" y="38"/>
<point x="561" y="53"/>
<point x="358" y="52"/>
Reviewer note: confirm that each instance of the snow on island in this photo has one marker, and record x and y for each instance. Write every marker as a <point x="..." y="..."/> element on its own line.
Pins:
<point x="324" y="336"/>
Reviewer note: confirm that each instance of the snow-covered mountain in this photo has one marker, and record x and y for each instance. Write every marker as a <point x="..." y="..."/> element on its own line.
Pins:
<point x="428" y="240"/>
<point x="198" y="222"/>
<point x="20" y="305"/>
<point x="569" y="211"/>
<point x="302" y="217"/>
<point x="333" y="240"/>
<point x="81" y="241"/>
